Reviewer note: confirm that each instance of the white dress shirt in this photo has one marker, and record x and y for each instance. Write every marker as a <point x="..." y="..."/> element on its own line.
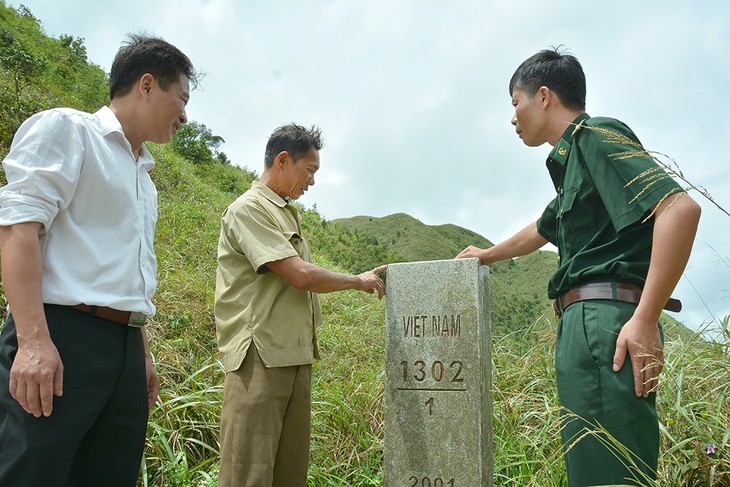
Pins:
<point x="75" y="173"/>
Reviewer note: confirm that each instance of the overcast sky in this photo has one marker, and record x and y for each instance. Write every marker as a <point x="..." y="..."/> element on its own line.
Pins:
<point x="412" y="98"/>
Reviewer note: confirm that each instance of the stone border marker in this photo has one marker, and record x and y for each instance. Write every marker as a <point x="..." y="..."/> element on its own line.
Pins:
<point x="438" y="386"/>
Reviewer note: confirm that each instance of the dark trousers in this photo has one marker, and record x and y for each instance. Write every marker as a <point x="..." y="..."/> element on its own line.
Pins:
<point x="96" y="432"/>
<point x="610" y="436"/>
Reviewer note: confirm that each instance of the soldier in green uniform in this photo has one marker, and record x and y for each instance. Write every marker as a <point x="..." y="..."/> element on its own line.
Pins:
<point x="624" y="231"/>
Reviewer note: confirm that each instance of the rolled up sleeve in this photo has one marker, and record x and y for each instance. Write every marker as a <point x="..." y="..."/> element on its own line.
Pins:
<point x="42" y="170"/>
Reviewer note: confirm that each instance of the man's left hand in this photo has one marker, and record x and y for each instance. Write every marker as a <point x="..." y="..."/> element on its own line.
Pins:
<point x="153" y="383"/>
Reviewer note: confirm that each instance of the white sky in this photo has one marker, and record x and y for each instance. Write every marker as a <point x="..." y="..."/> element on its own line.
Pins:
<point x="412" y="97"/>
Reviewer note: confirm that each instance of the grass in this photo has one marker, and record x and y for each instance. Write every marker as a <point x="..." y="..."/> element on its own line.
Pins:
<point x="347" y="423"/>
<point x="347" y="416"/>
<point x="694" y="413"/>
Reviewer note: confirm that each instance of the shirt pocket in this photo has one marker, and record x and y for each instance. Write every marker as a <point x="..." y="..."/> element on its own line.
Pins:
<point x="297" y="242"/>
<point x="565" y="205"/>
<point x="566" y="223"/>
<point x="575" y="222"/>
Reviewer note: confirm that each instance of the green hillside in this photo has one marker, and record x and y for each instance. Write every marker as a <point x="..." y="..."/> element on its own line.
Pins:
<point x="38" y="72"/>
<point x="195" y="184"/>
<point x="517" y="287"/>
<point x="410" y="239"/>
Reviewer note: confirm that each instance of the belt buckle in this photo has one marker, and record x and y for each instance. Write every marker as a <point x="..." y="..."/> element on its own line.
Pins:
<point x="137" y="319"/>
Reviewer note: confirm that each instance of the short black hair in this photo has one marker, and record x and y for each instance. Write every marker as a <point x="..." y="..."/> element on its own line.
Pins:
<point x="295" y="139"/>
<point x="144" y="54"/>
<point x="559" y="71"/>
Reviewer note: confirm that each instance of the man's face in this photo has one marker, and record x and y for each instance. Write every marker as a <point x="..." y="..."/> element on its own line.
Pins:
<point x="168" y="110"/>
<point x="299" y="175"/>
<point x="530" y="119"/>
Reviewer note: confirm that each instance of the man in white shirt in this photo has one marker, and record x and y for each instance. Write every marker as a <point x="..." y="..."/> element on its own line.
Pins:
<point x="77" y="220"/>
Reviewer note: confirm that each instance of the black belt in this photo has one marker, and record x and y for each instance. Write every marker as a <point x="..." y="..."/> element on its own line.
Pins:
<point x="628" y="293"/>
<point x="130" y="318"/>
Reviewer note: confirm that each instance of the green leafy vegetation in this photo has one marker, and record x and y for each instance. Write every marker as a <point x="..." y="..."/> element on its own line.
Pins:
<point x="38" y="72"/>
<point x="197" y="143"/>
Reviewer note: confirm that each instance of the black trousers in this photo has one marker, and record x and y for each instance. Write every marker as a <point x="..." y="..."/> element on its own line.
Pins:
<point x="96" y="432"/>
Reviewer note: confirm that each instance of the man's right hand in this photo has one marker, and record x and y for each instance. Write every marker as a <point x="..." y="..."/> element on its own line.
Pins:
<point x="370" y="282"/>
<point x="37" y="372"/>
<point x="36" y="376"/>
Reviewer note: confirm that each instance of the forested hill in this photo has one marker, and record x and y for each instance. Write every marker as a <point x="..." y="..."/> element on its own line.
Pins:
<point x="38" y="72"/>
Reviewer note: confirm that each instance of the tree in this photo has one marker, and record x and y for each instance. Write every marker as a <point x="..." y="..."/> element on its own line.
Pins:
<point x="75" y="45"/>
<point x="196" y="142"/>
<point x="22" y="69"/>
<point x="223" y="158"/>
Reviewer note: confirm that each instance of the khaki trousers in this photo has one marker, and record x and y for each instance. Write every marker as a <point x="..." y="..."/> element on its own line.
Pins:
<point x="265" y="425"/>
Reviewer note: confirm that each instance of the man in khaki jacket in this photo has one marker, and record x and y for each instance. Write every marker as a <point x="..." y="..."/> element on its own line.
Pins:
<point x="266" y="311"/>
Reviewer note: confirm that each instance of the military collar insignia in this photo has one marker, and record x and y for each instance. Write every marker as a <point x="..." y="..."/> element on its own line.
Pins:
<point x="561" y="150"/>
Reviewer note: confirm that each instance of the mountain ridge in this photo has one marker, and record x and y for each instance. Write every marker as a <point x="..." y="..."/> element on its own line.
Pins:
<point x="518" y="295"/>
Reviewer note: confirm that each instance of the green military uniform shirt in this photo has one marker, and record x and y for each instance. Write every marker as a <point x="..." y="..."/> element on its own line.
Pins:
<point x="607" y="185"/>
<point x="253" y="304"/>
